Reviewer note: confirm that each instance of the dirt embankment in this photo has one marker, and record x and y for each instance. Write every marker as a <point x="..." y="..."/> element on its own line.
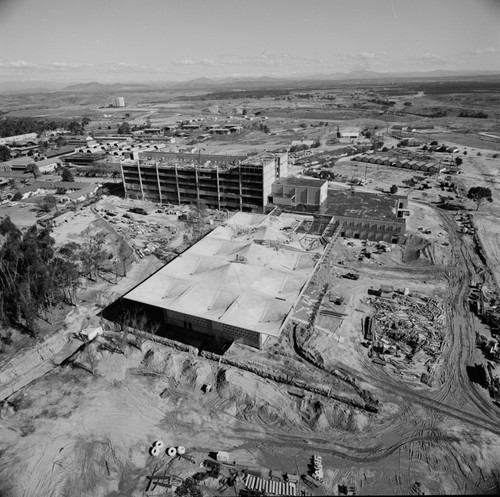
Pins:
<point x="418" y="251"/>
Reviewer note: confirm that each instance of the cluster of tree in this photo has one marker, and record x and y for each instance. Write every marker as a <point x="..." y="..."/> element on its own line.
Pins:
<point x="470" y="113"/>
<point x="33" y="276"/>
<point x="264" y="128"/>
<point x="78" y="127"/>
<point x="303" y="146"/>
<point x="22" y="125"/>
<point x="381" y="101"/>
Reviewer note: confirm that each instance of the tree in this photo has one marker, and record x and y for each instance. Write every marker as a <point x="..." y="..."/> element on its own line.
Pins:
<point x="124" y="255"/>
<point x="124" y="128"/>
<point x="85" y="122"/>
<point x="394" y="189"/>
<point x="195" y="222"/>
<point x="67" y="175"/>
<point x="17" y="196"/>
<point x="479" y="194"/>
<point x="458" y="161"/>
<point x="61" y="141"/>
<point x="47" y="203"/>
<point x="32" y="168"/>
<point x="92" y="252"/>
<point x="4" y="153"/>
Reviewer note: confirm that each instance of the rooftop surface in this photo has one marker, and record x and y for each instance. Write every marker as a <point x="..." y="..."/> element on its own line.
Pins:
<point x="246" y="273"/>
<point x="363" y="205"/>
<point x="294" y="181"/>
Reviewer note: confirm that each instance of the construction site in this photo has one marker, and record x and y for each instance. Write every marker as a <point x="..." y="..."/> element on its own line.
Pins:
<point x="341" y="341"/>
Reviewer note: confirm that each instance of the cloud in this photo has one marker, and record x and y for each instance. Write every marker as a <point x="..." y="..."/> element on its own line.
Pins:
<point x="430" y="56"/>
<point x="23" y="67"/>
<point x="18" y="64"/>
<point x="184" y="62"/>
<point x="484" y="51"/>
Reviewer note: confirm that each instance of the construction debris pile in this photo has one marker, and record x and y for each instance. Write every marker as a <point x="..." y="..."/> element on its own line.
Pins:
<point x="405" y="330"/>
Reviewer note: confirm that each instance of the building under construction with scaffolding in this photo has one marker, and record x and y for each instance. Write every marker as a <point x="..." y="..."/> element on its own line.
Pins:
<point x="241" y="281"/>
<point x="223" y="182"/>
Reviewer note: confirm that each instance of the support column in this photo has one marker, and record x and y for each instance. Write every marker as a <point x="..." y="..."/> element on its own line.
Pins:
<point x="158" y="181"/>
<point x="197" y="183"/>
<point x="177" y="185"/>
<point x="218" y="186"/>
<point x="140" y="180"/>
<point x="241" y="191"/>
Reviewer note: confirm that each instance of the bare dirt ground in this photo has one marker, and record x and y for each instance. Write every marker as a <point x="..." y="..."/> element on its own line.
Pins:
<point x="72" y="432"/>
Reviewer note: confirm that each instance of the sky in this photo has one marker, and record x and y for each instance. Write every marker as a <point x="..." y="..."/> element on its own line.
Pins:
<point x="166" y="40"/>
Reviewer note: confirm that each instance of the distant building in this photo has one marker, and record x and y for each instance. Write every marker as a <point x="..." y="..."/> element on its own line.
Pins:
<point x="118" y="102"/>
<point x="348" y="135"/>
<point x="20" y="165"/>
<point x="18" y="138"/>
<point x="73" y="190"/>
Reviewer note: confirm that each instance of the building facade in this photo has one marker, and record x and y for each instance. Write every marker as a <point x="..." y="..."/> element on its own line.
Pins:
<point x="223" y="182"/>
<point x="296" y="192"/>
<point x="118" y="102"/>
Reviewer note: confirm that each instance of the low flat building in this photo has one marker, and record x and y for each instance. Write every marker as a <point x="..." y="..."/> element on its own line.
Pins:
<point x="368" y="216"/>
<point x="44" y="166"/>
<point x="239" y="283"/>
<point x="18" y="138"/>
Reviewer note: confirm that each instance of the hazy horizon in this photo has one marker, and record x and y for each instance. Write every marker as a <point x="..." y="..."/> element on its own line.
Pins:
<point x="159" y="40"/>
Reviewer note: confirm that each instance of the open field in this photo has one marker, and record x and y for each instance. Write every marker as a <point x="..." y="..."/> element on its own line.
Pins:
<point x="398" y="413"/>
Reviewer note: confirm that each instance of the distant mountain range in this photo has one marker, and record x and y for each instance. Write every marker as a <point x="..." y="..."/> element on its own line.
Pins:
<point x="235" y="83"/>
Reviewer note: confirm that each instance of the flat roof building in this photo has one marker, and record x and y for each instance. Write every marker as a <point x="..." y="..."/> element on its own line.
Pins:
<point x="239" y="283"/>
<point x="368" y="216"/>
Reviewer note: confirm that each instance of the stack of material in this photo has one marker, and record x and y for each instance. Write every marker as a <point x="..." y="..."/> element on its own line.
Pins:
<point x="318" y="468"/>
<point x="269" y="487"/>
<point x="414" y="322"/>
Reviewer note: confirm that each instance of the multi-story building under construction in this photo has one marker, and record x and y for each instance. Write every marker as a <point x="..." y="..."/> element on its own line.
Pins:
<point x="223" y="182"/>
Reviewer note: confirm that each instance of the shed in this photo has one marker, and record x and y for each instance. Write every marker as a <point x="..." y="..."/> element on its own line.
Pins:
<point x="386" y="288"/>
<point x="222" y="456"/>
